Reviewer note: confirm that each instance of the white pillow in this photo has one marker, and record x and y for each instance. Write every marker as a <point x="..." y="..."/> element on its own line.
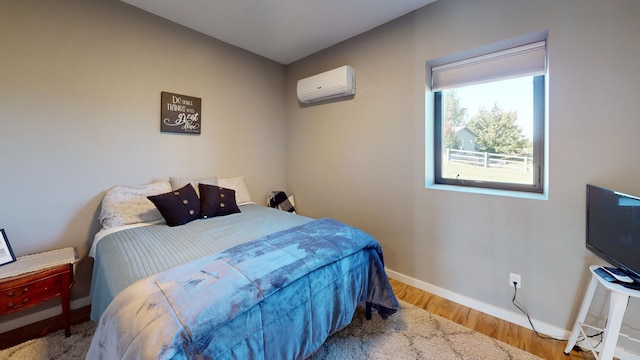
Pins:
<point x="178" y="183"/>
<point x="125" y="205"/>
<point x="237" y="184"/>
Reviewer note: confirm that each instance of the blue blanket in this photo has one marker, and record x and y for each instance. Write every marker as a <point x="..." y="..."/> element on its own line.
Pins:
<point x="278" y="297"/>
<point x="130" y="255"/>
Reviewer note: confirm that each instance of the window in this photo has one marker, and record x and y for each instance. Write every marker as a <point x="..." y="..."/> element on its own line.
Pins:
<point x="489" y="120"/>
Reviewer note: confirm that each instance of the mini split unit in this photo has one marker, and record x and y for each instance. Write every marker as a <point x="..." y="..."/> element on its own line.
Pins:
<point x="332" y="84"/>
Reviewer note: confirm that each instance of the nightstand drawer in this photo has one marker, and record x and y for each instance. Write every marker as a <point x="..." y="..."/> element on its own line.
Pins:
<point x="33" y="279"/>
<point x="30" y="294"/>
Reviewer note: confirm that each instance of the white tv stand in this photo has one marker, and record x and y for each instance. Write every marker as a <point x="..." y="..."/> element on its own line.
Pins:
<point x="618" y="299"/>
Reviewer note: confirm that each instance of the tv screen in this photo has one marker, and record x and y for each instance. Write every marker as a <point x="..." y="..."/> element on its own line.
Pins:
<point x="613" y="228"/>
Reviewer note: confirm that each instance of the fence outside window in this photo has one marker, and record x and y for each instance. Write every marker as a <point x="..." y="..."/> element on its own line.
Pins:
<point x="488" y="160"/>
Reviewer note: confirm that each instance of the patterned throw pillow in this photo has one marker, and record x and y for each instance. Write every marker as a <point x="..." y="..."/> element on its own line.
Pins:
<point x="126" y="205"/>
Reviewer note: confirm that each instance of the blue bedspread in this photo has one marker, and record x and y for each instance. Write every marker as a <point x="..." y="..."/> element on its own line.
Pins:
<point x="126" y="256"/>
<point x="278" y="297"/>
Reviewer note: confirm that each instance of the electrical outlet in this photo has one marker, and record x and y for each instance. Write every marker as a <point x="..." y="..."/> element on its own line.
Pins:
<point x="515" y="278"/>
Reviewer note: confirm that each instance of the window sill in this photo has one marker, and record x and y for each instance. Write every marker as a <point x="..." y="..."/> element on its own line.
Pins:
<point x="493" y="192"/>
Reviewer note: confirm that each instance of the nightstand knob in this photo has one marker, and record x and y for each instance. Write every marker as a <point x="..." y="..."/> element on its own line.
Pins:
<point x="25" y="300"/>
<point x="25" y="290"/>
<point x="10" y="305"/>
<point x="10" y="294"/>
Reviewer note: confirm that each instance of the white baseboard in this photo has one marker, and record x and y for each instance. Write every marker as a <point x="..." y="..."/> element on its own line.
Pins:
<point x="510" y="316"/>
<point x="41" y="315"/>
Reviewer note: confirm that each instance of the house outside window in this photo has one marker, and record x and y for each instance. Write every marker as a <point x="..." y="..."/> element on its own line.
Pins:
<point x="489" y="120"/>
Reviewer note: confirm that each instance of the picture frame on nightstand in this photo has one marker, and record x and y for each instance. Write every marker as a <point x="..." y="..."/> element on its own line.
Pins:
<point x="6" y="253"/>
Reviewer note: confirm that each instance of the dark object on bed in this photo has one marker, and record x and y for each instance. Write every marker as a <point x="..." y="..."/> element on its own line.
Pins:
<point x="217" y="201"/>
<point x="178" y="207"/>
<point x="280" y="200"/>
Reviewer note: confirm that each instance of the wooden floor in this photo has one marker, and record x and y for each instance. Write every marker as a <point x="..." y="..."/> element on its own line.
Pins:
<point x="502" y="330"/>
<point x="505" y="331"/>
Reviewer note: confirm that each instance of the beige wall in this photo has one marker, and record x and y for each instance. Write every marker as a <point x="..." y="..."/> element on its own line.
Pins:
<point x="80" y="85"/>
<point x="362" y="160"/>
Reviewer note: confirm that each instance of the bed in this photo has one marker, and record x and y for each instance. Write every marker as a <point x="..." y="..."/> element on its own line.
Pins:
<point x="255" y="283"/>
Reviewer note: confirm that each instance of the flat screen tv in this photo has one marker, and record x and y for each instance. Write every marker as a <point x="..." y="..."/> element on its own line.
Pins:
<point x="613" y="228"/>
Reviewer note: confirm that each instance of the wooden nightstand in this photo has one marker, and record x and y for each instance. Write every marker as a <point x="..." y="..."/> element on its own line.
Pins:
<point x="36" y="278"/>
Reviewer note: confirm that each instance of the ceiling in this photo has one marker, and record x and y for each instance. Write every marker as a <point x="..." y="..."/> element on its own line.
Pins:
<point x="281" y="30"/>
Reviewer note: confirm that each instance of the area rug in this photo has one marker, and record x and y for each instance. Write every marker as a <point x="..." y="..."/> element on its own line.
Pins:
<point x="412" y="333"/>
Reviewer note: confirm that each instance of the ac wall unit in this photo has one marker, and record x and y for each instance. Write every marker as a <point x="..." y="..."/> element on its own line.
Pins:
<point x="332" y="84"/>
